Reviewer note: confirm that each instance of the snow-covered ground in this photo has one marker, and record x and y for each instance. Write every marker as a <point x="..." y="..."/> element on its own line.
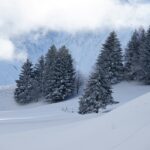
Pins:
<point x="59" y="127"/>
<point x="122" y="92"/>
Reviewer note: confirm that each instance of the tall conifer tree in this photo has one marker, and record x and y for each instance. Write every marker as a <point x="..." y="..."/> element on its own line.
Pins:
<point x="65" y="75"/>
<point x="145" y="59"/>
<point x="132" y="57"/>
<point x="25" y="92"/>
<point x="50" y="77"/>
<point x="111" y="58"/>
<point x="98" y="93"/>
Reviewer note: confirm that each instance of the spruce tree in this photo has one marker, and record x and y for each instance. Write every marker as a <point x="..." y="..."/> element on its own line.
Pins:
<point x="65" y="76"/>
<point x="50" y="77"/>
<point x="39" y="76"/>
<point x="145" y="59"/>
<point x="132" y="57"/>
<point x="24" y="92"/>
<point x="98" y="93"/>
<point x="111" y="58"/>
<point x="142" y="39"/>
<point x="68" y="72"/>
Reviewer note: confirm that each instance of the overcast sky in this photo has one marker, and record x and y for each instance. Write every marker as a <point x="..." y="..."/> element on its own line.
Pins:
<point x="20" y="16"/>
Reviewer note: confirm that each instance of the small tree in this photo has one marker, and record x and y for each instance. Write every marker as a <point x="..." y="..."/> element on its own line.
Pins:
<point x="97" y="93"/>
<point x="24" y="92"/>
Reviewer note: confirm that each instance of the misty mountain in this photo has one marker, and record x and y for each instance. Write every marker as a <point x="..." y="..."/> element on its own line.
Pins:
<point x="84" y="47"/>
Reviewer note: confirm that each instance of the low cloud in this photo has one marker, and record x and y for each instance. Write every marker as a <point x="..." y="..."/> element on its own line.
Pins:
<point x="8" y="52"/>
<point x="20" y="16"/>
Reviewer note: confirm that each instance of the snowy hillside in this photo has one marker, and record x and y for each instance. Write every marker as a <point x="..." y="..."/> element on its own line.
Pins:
<point x="75" y="75"/>
<point x="122" y="92"/>
<point x="59" y="127"/>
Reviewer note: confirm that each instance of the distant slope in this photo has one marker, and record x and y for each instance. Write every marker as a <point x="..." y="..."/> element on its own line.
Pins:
<point x="125" y="128"/>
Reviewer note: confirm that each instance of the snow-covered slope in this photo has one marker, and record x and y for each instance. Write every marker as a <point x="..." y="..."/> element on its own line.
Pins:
<point x="125" y="128"/>
<point x="122" y="92"/>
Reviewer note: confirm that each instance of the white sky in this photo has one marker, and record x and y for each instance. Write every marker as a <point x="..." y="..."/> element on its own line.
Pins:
<point x="19" y="16"/>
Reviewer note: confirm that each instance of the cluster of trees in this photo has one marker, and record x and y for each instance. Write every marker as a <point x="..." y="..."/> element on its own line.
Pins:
<point x="137" y="57"/>
<point x="53" y="78"/>
<point x="108" y="70"/>
<point x="111" y="67"/>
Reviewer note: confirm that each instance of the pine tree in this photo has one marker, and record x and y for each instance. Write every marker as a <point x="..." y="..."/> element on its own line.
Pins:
<point x="24" y="92"/>
<point x="39" y="76"/>
<point x="132" y="57"/>
<point x="50" y="77"/>
<point x="97" y="93"/>
<point x="142" y="38"/>
<point x="65" y="76"/>
<point x="109" y="70"/>
<point x="111" y="58"/>
<point x="145" y="59"/>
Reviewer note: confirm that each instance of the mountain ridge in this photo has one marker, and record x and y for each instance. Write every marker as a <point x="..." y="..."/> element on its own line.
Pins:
<point x="83" y="45"/>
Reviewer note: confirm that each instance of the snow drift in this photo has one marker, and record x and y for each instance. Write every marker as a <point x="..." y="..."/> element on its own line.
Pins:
<point x="127" y="127"/>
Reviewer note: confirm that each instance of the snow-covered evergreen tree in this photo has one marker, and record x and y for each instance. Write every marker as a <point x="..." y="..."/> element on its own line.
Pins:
<point x="109" y="70"/>
<point x="145" y="59"/>
<point x="59" y="75"/>
<point x="50" y="77"/>
<point x="142" y="38"/>
<point x="39" y="76"/>
<point x="132" y="57"/>
<point x="98" y="93"/>
<point x="111" y="58"/>
<point x="65" y="75"/>
<point x="25" y="92"/>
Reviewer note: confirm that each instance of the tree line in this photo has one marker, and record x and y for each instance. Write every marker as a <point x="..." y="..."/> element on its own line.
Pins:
<point x="112" y="67"/>
<point x="54" y="76"/>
